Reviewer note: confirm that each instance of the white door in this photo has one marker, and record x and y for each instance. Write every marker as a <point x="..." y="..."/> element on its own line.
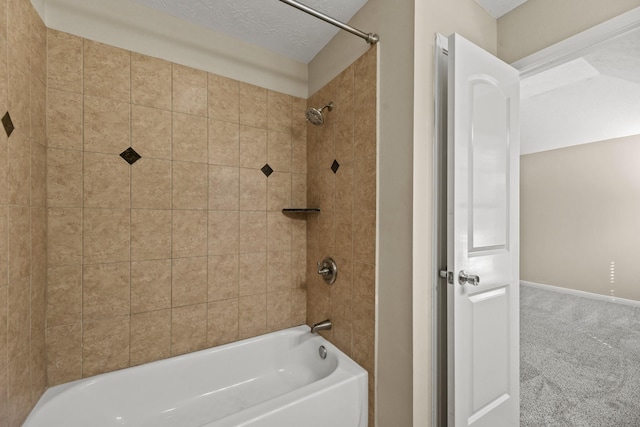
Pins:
<point x="483" y="189"/>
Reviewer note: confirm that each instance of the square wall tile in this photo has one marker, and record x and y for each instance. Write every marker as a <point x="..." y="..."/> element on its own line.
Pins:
<point x="151" y="132"/>
<point x="224" y="143"/>
<point x="188" y="328"/>
<point x="190" y="185"/>
<point x="150" y="336"/>
<point x="107" y="71"/>
<point x="150" y="81"/>
<point x="279" y="192"/>
<point x="365" y="183"/>
<point x="223" y="277"/>
<point x="253" y="147"/>
<point x="106" y="290"/>
<point x="64" y="178"/>
<point x="105" y="345"/>
<point x="345" y="188"/>
<point x="4" y="250"/>
<point x="364" y="237"/>
<point x="223" y="98"/>
<point x="64" y="295"/>
<point x="106" y="235"/>
<point x="150" y="285"/>
<point x="279" y="151"/>
<point x="19" y="98"/>
<point x="64" y="236"/>
<point x="278" y="232"/>
<point x="189" y="90"/>
<point x="253" y="231"/>
<point x="19" y="177"/>
<point x="223" y="232"/>
<point x="224" y="188"/>
<point x="18" y="31"/>
<point x="253" y="315"/>
<point x="106" y="181"/>
<point x="64" y="61"/>
<point x="365" y="124"/>
<point x="18" y="385"/>
<point x="64" y="353"/>
<point x="253" y="106"/>
<point x="151" y="184"/>
<point x="19" y="243"/>
<point x="253" y="190"/>
<point x="279" y="111"/>
<point x="38" y="111"/>
<point x="150" y="234"/>
<point x="106" y="125"/>
<point x="278" y="310"/>
<point x="189" y="233"/>
<point x="298" y="306"/>
<point x="222" y="322"/>
<point x="64" y="119"/>
<point x="299" y="154"/>
<point x="18" y="319"/>
<point x="253" y="273"/>
<point x="189" y="281"/>
<point x="278" y="271"/>
<point x="190" y="142"/>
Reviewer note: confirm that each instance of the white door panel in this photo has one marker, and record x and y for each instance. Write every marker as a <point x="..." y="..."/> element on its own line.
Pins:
<point x="483" y="184"/>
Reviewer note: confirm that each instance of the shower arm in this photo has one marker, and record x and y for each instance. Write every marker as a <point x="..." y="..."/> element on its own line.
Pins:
<point x="368" y="37"/>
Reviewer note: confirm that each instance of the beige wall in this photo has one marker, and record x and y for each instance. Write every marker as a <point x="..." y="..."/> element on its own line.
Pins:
<point x="537" y="24"/>
<point x="22" y="211"/>
<point x="185" y="249"/>
<point x="579" y="214"/>
<point x="345" y="227"/>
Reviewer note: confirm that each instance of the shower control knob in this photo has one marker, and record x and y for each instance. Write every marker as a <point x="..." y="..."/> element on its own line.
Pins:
<point x="464" y="278"/>
<point x="328" y="270"/>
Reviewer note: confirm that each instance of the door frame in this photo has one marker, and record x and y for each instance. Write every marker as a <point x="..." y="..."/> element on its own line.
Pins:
<point x="552" y="56"/>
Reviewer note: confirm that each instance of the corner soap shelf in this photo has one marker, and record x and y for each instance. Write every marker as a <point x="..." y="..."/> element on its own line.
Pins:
<point x="300" y="210"/>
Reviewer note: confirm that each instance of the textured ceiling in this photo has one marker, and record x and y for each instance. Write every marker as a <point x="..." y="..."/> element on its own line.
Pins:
<point x="593" y="98"/>
<point x="271" y="24"/>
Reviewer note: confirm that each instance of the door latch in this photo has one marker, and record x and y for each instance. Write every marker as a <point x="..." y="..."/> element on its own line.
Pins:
<point x="447" y="275"/>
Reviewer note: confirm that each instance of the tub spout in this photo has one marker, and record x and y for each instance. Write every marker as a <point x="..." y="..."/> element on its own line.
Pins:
<point x="325" y="325"/>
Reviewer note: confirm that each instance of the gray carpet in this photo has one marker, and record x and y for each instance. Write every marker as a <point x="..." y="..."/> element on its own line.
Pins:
<point x="580" y="361"/>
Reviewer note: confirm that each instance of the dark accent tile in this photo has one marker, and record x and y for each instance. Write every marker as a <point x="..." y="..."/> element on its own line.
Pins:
<point x="266" y="169"/>
<point x="130" y="155"/>
<point x="334" y="166"/>
<point x="8" y="124"/>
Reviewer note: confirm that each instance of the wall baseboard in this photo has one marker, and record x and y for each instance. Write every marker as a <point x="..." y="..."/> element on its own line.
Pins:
<point x="583" y="294"/>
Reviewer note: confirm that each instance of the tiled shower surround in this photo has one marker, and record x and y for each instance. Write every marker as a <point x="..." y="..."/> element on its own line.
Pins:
<point x="342" y="183"/>
<point x="187" y="247"/>
<point x="22" y="210"/>
<point x="140" y="209"/>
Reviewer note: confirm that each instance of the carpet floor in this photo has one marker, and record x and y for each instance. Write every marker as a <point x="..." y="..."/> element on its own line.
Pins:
<point x="579" y="361"/>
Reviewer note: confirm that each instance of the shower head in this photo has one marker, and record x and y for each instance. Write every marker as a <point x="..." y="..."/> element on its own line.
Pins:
<point x="314" y="115"/>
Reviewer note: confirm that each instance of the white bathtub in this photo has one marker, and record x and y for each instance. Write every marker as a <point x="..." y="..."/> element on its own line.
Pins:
<point x="275" y="380"/>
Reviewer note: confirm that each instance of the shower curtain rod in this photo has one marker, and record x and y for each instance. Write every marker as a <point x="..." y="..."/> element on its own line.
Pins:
<point x="369" y="38"/>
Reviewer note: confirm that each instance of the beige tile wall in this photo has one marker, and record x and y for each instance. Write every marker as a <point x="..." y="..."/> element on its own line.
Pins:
<point x="345" y="229"/>
<point x="22" y="211"/>
<point x="185" y="249"/>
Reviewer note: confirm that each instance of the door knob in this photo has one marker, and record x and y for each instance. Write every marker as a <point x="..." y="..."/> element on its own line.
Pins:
<point x="464" y="278"/>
